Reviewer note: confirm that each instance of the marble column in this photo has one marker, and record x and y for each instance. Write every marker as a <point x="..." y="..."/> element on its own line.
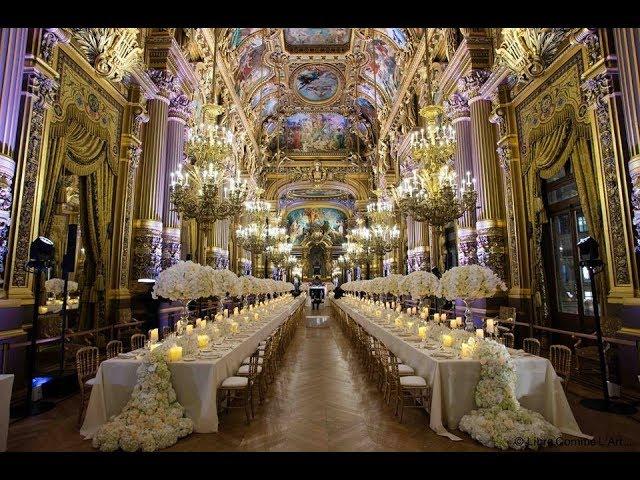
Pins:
<point x="627" y="43"/>
<point x="179" y="113"/>
<point x="490" y="225"/>
<point x="147" y="253"/>
<point x="13" y="43"/>
<point x="457" y="109"/>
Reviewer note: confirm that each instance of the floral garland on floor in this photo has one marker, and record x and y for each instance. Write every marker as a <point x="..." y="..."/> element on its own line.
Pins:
<point x="153" y="418"/>
<point x="500" y="421"/>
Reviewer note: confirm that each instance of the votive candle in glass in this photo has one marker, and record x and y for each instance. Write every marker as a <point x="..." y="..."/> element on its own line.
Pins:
<point x="479" y="333"/>
<point x="203" y="341"/>
<point x="175" y="353"/>
<point x="447" y="340"/>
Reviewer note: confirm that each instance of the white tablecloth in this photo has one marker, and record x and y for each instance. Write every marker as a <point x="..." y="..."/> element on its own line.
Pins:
<point x="453" y="381"/>
<point x="195" y="383"/>
<point x="6" y="382"/>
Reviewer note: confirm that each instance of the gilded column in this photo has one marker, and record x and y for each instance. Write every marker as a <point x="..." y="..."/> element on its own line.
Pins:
<point x="179" y="113"/>
<point x="490" y="224"/>
<point x="13" y="42"/>
<point x="38" y="93"/>
<point x="457" y="109"/>
<point x="147" y="253"/>
<point x="627" y="42"/>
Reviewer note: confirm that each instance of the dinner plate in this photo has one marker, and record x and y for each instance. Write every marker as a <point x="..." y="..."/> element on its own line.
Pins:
<point x="126" y="355"/>
<point x="188" y="359"/>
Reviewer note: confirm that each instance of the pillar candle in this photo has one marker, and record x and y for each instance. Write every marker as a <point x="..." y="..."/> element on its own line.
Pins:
<point x="443" y="317"/>
<point x="422" y="332"/>
<point x="175" y="353"/>
<point x="490" y="325"/>
<point x="189" y="329"/>
<point x="198" y="322"/>
<point x="447" y="340"/>
<point x="453" y="324"/>
<point x="459" y="321"/>
<point x="436" y="317"/>
<point x="234" y="327"/>
<point x="256" y="316"/>
<point x="414" y="310"/>
<point x="479" y="333"/>
<point x="153" y="335"/>
<point x="465" y="351"/>
<point x="42" y="310"/>
<point x="386" y="305"/>
<point x="203" y="340"/>
<point x="408" y="310"/>
<point x="219" y="317"/>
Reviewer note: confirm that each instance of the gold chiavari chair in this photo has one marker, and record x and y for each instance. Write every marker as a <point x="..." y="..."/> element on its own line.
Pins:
<point x="137" y="341"/>
<point x="508" y="339"/>
<point x="561" y="359"/>
<point x="410" y="387"/>
<point x="531" y="345"/>
<point x="252" y="371"/>
<point x="231" y="386"/>
<point x="114" y="347"/>
<point x="87" y="362"/>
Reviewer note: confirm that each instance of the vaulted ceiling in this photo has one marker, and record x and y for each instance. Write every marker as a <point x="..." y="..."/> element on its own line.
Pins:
<point x="317" y="92"/>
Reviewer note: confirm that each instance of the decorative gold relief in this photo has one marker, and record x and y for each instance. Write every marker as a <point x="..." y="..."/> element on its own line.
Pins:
<point x="528" y="51"/>
<point x="111" y="51"/>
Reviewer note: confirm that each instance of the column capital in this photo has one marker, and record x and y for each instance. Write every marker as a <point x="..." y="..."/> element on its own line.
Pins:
<point x="41" y="88"/>
<point x="457" y="107"/>
<point x="471" y="84"/>
<point x="168" y="84"/>
<point x="599" y="88"/>
<point x="180" y="108"/>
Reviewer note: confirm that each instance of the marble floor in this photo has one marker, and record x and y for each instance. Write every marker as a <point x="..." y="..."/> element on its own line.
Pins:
<point x="321" y="400"/>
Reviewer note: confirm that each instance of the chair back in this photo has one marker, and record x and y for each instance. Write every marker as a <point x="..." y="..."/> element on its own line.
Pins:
<point x="508" y="339"/>
<point x="561" y="356"/>
<point x="87" y="362"/>
<point x="137" y="341"/>
<point x="166" y="331"/>
<point x="506" y="313"/>
<point x="114" y="347"/>
<point x="531" y="345"/>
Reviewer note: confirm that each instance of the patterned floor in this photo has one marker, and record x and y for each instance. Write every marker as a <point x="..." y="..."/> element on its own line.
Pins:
<point x="320" y="401"/>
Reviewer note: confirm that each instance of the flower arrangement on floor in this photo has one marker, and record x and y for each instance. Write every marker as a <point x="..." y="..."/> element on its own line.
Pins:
<point x="500" y="421"/>
<point x="153" y="418"/>
<point x="56" y="286"/>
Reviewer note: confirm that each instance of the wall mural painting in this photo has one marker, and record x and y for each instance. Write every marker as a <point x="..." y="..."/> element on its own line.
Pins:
<point x="317" y="83"/>
<point x="316" y="132"/>
<point x="251" y="70"/>
<point x="317" y="36"/>
<point x="328" y="220"/>
<point x="269" y="108"/>
<point x="367" y="110"/>
<point x="367" y="90"/>
<point x="239" y="35"/>
<point x="382" y="66"/>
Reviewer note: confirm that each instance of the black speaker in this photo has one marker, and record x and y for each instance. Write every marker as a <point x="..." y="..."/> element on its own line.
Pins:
<point x="69" y="258"/>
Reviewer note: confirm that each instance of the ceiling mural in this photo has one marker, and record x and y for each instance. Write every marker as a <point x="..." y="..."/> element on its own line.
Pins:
<point x="398" y="35"/>
<point x="317" y="36"/>
<point x="239" y="35"/>
<point x="315" y="132"/>
<point x="251" y="69"/>
<point x="304" y="221"/>
<point x="382" y="67"/>
<point x="316" y="83"/>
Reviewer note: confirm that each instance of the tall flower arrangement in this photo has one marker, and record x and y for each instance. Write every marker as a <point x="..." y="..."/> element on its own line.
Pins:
<point x="422" y="284"/>
<point x="56" y="286"/>
<point x="183" y="281"/>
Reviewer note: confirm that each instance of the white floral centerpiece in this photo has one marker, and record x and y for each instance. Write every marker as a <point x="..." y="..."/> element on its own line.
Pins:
<point x="55" y="286"/>
<point x="467" y="283"/>
<point x="422" y="284"/>
<point x="500" y="421"/>
<point x="153" y="418"/>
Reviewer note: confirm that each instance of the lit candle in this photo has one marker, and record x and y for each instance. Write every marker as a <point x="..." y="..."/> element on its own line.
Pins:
<point x="490" y="325"/>
<point x="423" y="315"/>
<point x="256" y="317"/>
<point x="386" y="305"/>
<point x="203" y="340"/>
<point x="42" y="310"/>
<point x="398" y="309"/>
<point x="189" y="329"/>
<point x="175" y="353"/>
<point x="436" y="317"/>
<point x="226" y="313"/>
<point x="236" y="311"/>
<point x="234" y="327"/>
<point x="443" y="317"/>
<point x="198" y="322"/>
<point x="453" y="323"/>
<point x="414" y="310"/>
<point x="153" y="335"/>
<point x="465" y="351"/>
<point x="422" y="332"/>
<point x="218" y="317"/>
<point x="408" y="310"/>
<point x="447" y="340"/>
<point x="479" y="333"/>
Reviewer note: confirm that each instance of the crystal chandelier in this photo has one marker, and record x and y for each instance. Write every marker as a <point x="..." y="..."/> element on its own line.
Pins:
<point x="209" y="143"/>
<point x="260" y="234"/>
<point x="380" y="212"/>
<point x="279" y="254"/>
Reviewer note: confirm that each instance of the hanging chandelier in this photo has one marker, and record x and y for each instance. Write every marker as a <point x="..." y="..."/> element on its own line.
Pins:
<point x="279" y="254"/>
<point x="380" y="212"/>
<point x="344" y="262"/>
<point x="260" y="234"/>
<point x="431" y="194"/>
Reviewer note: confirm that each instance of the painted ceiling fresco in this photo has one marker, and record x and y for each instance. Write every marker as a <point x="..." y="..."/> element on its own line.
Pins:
<point x="316" y="83"/>
<point x="315" y="132"/>
<point x="331" y="221"/>
<point x="317" y="36"/>
<point x="316" y="86"/>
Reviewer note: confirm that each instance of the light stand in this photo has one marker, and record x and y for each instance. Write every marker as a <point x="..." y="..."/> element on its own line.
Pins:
<point x="41" y="255"/>
<point x="590" y="260"/>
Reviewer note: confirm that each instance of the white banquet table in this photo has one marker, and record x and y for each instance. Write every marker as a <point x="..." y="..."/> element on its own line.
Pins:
<point x="453" y="381"/>
<point x="195" y="382"/>
<point x="6" y="383"/>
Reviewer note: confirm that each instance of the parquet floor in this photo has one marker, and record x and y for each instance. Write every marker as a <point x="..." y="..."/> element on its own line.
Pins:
<point x="321" y="401"/>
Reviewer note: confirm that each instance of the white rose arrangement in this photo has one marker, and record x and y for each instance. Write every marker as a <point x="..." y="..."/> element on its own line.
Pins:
<point x="56" y="286"/>
<point x="183" y="281"/>
<point x="422" y="284"/>
<point x="500" y="421"/>
<point x="469" y="282"/>
<point x="153" y="418"/>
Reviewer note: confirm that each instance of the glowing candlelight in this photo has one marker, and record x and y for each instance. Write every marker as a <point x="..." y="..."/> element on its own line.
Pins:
<point x="42" y="310"/>
<point x="447" y="340"/>
<point x="422" y="332"/>
<point x="153" y="335"/>
<point x="189" y="329"/>
<point x="203" y="341"/>
<point x="175" y="353"/>
<point x="479" y="333"/>
<point x="490" y="325"/>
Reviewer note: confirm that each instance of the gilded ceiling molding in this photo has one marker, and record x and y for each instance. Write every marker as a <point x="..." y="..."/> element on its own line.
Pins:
<point x="529" y="51"/>
<point x="113" y="52"/>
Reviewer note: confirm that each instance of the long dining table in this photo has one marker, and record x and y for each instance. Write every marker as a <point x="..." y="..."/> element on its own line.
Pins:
<point x="195" y="382"/>
<point x="453" y="381"/>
